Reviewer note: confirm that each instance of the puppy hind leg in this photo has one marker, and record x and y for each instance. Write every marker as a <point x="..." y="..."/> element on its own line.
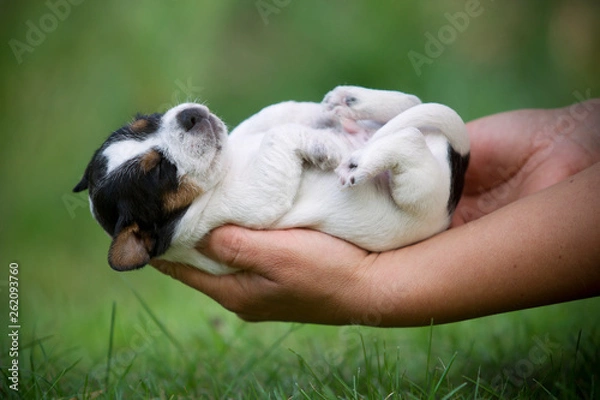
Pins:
<point x="430" y="117"/>
<point x="414" y="173"/>
<point x="357" y="103"/>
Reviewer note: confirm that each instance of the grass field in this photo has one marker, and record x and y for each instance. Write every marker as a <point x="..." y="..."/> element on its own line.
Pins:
<point x="139" y="348"/>
<point x="72" y="71"/>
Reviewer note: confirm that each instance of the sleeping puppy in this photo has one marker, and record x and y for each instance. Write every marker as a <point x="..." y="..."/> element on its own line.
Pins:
<point x="376" y="168"/>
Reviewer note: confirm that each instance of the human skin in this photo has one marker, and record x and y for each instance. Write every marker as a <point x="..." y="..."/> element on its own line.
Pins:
<point x="526" y="233"/>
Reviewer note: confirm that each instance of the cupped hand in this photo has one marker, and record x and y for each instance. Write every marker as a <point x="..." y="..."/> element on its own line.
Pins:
<point x="517" y="153"/>
<point x="291" y="275"/>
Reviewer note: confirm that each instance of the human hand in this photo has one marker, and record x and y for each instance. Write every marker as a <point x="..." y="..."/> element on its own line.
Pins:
<point x="290" y="275"/>
<point x="307" y="276"/>
<point x="517" y="153"/>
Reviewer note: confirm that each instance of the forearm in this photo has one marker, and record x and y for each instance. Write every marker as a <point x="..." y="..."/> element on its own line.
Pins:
<point x="539" y="250"/>
<point x="542" y="249"/>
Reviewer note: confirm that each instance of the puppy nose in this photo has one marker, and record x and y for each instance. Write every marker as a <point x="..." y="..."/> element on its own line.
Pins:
<point x="191" y="116"/>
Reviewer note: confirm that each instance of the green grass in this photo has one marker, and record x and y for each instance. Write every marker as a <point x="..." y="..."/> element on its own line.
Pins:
<point x="88" y="332"/>
<point x="505" y="356"/>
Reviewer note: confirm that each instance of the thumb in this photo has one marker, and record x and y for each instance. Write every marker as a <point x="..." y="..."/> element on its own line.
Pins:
<point x="241" y="248"/>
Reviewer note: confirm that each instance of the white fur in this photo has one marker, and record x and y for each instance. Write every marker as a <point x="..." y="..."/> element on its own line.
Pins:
<point x="122" y="151"/>
<point x="194" y="155"/>
<point x="378" y="176"/>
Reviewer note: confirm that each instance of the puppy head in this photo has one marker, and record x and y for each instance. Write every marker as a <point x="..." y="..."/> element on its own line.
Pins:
<point x="146" y="174"/>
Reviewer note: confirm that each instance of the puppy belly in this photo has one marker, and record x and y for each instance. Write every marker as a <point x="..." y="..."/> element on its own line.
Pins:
<point x="364" y="215"/>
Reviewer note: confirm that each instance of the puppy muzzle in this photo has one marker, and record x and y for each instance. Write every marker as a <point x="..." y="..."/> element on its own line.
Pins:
<point x="198" y="120"/>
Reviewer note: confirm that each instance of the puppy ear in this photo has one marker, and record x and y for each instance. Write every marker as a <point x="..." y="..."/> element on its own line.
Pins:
<point x="82" y="185"/>
<point x="130" y="249"/>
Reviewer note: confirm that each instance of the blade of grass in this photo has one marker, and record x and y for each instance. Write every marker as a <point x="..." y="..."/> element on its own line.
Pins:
<point x="485" y="388"/>
<point x="379" y="360"/>
<point x="252" y="360"/>
<point x="110" y="345"/>
<point x="58" y="378"/>
<point x="545" y="390"/>
<point x="416" y="387"/>
<point x="344" y="385"/>
<point x="577" y="349"/>
<point x="84" y="393"/>
<point x="429" y="345"/>
<point x="442" y="377"/>
<point x="451" y="393"/>
<point x="303" y="393"/>
<point x="398" y="375"/>
<point x="365" y="358"/>
<point x="160" y="325"/>
<point x="118" y="382"/>
<point x="36" y="342"/>
<point x="476" y="395"/>
<point x="304" y="365"/>
<point x="35" y="377"/>
<point x="321" y="386"/>
<point x="32" y="365"/>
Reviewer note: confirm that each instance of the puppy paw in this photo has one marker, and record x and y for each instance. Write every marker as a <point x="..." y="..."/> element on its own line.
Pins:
<point x="323" y="156"/>
<point x="343" y="104"/>
<point x="351" y="171"/>
<point x="343" y="100"/>
<point x="355" y="103"/>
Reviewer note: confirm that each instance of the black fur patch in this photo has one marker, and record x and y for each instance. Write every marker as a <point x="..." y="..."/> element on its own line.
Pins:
<point x="458" y="167"/>
<point x="96" y="169"/>
<point x="133" y="193"/>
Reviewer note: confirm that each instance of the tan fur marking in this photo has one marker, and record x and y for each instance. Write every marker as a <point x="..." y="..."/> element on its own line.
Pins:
<point x="149" y="161"/>
<point x="129" y="250"/>
<point x="139" y="125"/>
<point x="183" y="197"/>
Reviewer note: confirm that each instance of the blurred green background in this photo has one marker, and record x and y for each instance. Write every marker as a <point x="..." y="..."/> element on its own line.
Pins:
<point x="72" y="73"/>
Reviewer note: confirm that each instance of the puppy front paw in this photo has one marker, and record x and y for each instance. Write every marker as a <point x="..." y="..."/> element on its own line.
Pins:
<point x="323" y="155"/>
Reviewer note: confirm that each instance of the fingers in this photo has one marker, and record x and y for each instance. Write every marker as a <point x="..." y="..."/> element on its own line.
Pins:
<point x="241" y="293"/>
<point x="224" y="289"/>
<point x="231" y="246"/>
<point x="191" y="276"/>
<point x="283" y="275"/>
<point x="257" y="251"/>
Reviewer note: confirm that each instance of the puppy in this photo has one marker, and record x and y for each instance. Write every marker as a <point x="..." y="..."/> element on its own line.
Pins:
<point x="376" y="168"/>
